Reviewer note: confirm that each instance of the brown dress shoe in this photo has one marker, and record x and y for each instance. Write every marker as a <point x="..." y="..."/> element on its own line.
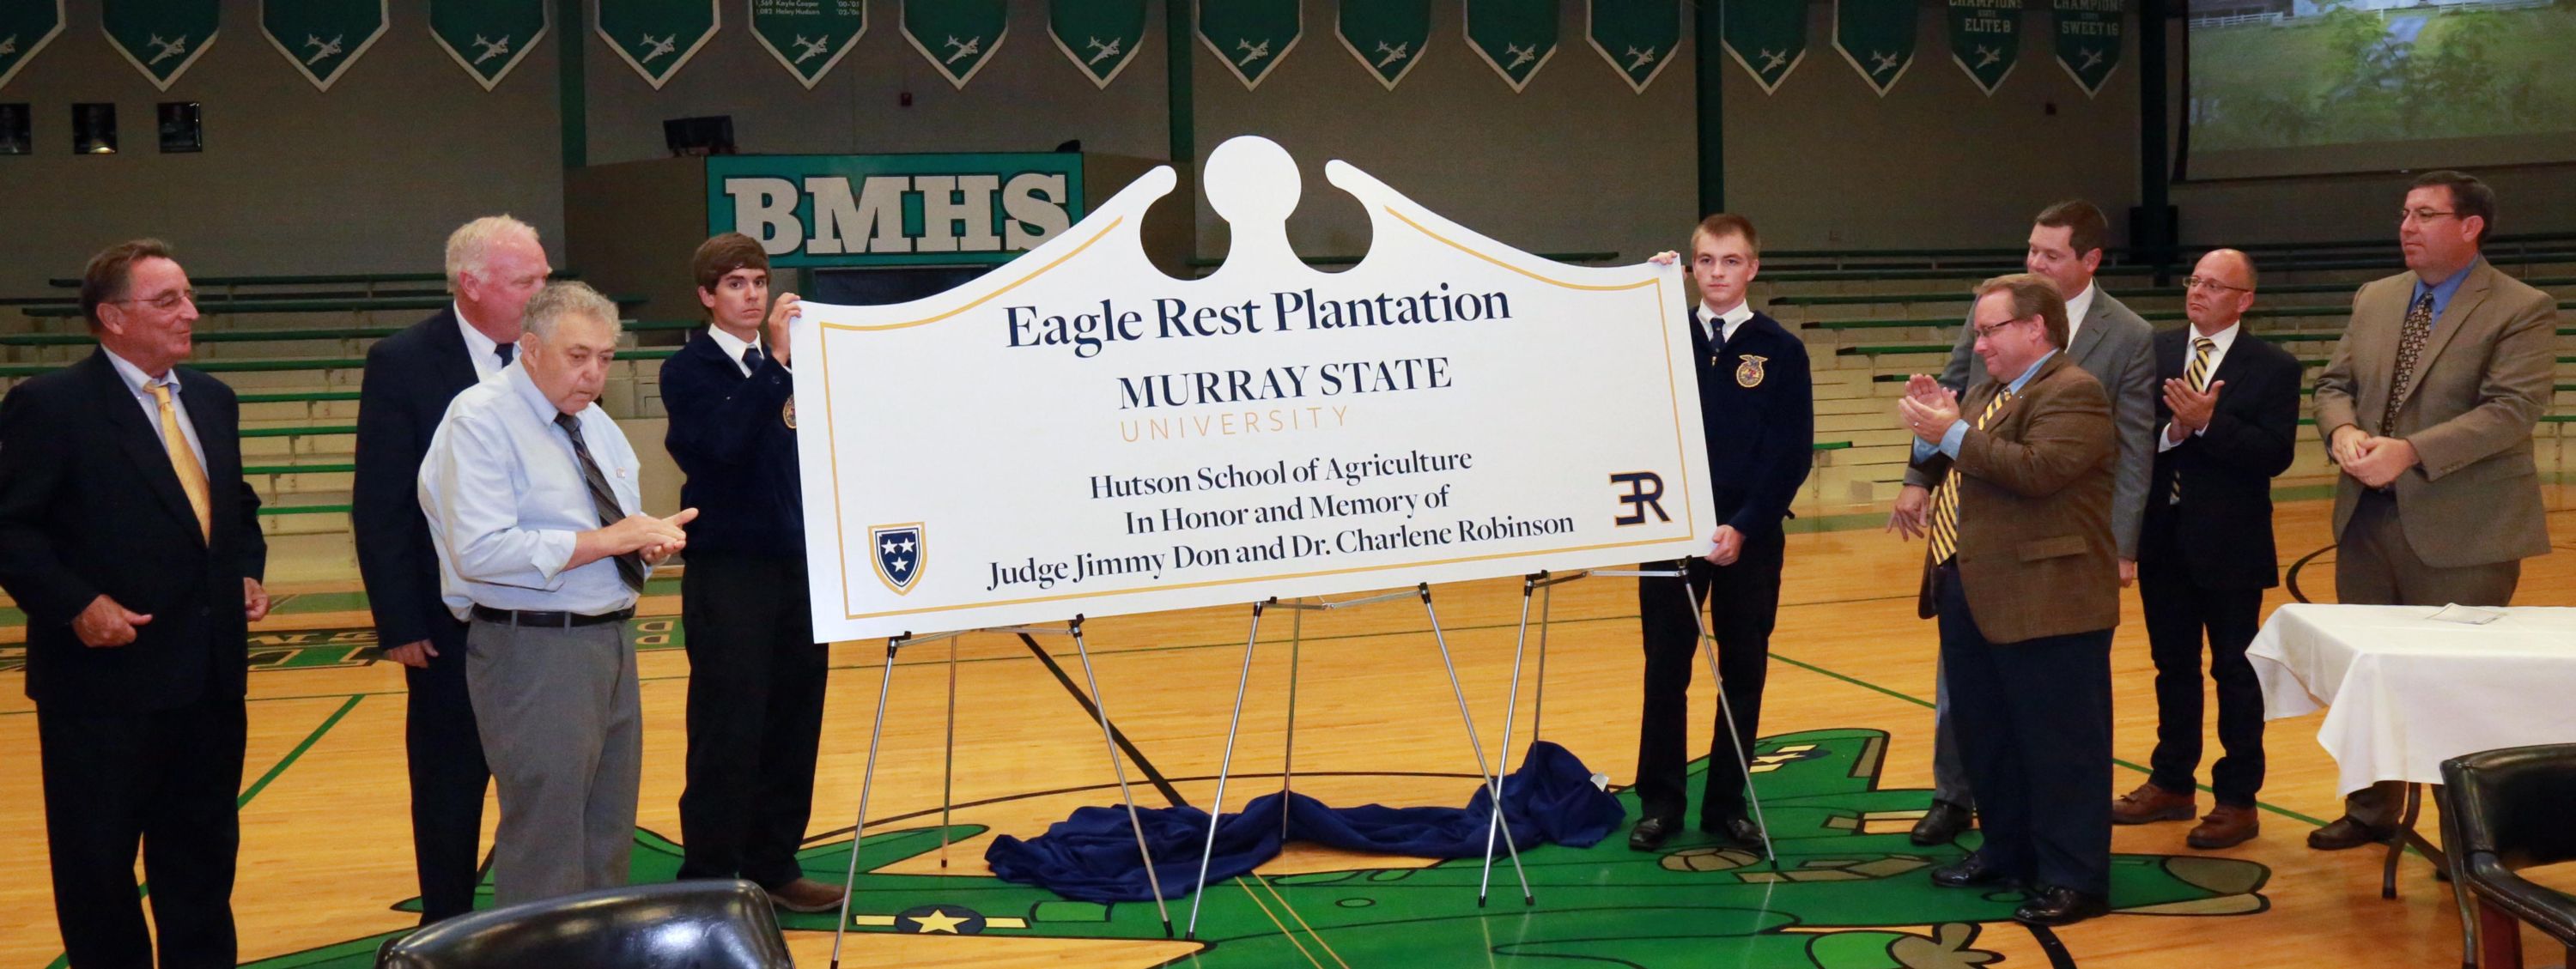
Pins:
<point x="2347" y="832"/>
<point x="806" y="895"/>
<point x="2152" y="803"/>
<point x="2226" y="827"/>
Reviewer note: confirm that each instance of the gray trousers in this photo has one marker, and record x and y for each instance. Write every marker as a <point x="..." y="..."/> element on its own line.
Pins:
<point x="1949" y="773"/>
<point x="557" y="710"/>
<point x="2375" y="565"/>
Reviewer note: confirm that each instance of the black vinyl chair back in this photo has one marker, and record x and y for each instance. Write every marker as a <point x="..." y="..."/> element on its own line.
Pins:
<point x="681" y="925"/>
<point x="2517" y="804"/>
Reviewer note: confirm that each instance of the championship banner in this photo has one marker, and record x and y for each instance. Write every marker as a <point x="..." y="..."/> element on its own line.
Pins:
<point x="1102" y="36"/>
<point x="1637" y="37"/>
<point x="489" y="37"/>
<point x="1767" y="37"/>
<point x="1077" y="433"/>
<point x="1985" y="40"/>
<point x="322" y="37"/>
<point x="1250" y="36"/>
<point x="958" y="36"/>
<point x="161" y="38"/>
<point x="2088" y="40"/>
<point x="1515" y="37"/>
<point x="1386" y="35"/>
<point x="25" y="28"/>
<point x="657" y="37"/>
<point x="808" y="37"/>
<point x="1877" y="38"/>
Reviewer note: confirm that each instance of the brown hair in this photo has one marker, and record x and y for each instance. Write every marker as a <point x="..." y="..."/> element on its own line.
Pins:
<point x="724" y="253"/>
<point x="2032" y="295"/>
<point x="2469" y="196"/>
<point x="110" y="274"/>
<point x="1728" y="224"/>
<point x="2086" y="228"/>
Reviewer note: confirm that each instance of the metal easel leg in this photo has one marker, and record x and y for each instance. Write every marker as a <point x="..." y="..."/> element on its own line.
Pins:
<point x="1288" y="758"/>
<point x="1101" y="704"/>
<point x="1511" y="709"/>
<point x="948" y="770"/>
<point x="1224" y="765"/>
<point x="1493" y="788"/>
<point x="867" y="780"/>
<point x="1725" y="710"/>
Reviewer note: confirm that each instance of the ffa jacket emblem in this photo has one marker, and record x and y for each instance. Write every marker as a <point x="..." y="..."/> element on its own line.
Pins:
<point x="788" y="413"/>
<point x="1749" y="373"/>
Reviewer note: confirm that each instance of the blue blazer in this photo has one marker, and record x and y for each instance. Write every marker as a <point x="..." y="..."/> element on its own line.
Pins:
<point x="1760" y="420"/>
<point x="729" y="435"/>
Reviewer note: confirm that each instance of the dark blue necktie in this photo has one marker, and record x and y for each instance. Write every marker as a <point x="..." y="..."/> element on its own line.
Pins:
<point x="505" y="351"/>
<point x="751" y="358"/>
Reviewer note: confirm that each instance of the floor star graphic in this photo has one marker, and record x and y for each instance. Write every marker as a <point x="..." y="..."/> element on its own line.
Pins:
<point x="937" y="921"/>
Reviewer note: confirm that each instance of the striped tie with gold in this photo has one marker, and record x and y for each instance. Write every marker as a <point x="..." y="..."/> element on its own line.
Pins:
<point x="1945" y="503"/>
<point x="2198" y="376"/>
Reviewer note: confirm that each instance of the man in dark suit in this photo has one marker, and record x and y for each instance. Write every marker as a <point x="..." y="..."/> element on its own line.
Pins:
<point x="1757" y="407"/>
<point x="494" y="265"/>
<point x="130" y="539"/>
<point x="756" y="675"/>
<point x="2023" y="575"/>
<point x="2226" y="425"/>
<point x="2110" y="342"/>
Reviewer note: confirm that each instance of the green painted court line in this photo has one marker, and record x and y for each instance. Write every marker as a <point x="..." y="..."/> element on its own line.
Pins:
<point x="291" y="756"/>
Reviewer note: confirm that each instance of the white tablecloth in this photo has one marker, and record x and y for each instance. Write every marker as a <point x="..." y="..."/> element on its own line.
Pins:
<point x="2408" y="692"/>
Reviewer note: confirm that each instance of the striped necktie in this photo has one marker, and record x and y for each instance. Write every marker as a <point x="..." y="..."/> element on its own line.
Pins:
<point x="2198" y="376"/>
<point x="2410" y="345"/>
<point x="630" y="566"/>
<point x="1945" y="503"/>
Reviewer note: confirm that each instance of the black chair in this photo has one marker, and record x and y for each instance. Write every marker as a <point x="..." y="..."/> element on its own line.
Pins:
<point x="679" y="925"/>
<point x="2512" y="809"/>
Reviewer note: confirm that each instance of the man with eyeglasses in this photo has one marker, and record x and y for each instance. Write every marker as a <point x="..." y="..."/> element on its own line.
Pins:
<point x="2113" y="344"/>
<point x="2022" y="575"/>
<point x="130" y="539"/>
<point x="2428" y="407"/>
<point x="2227" y="423"/>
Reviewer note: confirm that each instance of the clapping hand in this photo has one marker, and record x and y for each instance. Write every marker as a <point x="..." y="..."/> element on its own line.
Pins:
<point x="2191" y="408"/>
<point x="1928" y="409"/>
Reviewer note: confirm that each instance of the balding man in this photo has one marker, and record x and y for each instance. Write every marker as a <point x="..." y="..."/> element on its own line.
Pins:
<point x="2226" y="420"/>
<point x="493" y="265"/>
<point x="532" y="493"/>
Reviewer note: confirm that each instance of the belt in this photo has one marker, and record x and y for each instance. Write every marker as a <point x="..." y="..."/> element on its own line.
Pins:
<point x="557" y="620"/>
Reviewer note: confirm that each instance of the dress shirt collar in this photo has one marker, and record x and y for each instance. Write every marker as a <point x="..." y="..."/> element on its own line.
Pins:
<point x="1721" y="326"/>
<point x="2018" y="383"/>
<point x="135" y="379"/>
<point x="526" y="387"/>
<point x="478" y="346"/>
<point x="2077" y="307"/>
<point x="733" y="346"/>
<point x="2224" y="338"/>
<point x="2442" y="291"/>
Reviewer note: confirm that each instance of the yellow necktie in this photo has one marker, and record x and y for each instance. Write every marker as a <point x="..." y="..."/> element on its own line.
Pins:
<point x="192" y="476"/>
<point x="2198" y="375"/>
<point x="1945" y="503"/>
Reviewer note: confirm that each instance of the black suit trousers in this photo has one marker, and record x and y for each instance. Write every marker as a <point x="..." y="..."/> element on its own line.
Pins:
<point x="168" y="779"/>
<point x="756" y="681"/>
<point x="448" y="777"/>
<point x="2034" y="726"/>
<point x="2178" y="611"/>
<point x="1743" y="604"/>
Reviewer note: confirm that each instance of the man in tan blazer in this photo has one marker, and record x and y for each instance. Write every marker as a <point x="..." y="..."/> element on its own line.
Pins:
<point x="2023" y="575"/>
<point x="2428" y="407"/>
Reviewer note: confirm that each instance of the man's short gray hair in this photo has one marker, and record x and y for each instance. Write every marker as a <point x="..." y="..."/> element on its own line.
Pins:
<point x="558" y="300"/>
<point x="470" y="246"/>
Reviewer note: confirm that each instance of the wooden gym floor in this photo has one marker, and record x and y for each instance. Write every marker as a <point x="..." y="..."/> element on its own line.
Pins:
<point x="326" y="863"/>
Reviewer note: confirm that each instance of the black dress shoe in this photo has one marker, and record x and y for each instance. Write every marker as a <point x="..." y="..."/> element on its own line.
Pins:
<point x="1972" y="871"/>
<point x="1740" y="830"/>
<point x="2061" y="906"/>
<point x="1650" y="833"/>
<point x="2348" y="832"/>
<point x="1941" y="824"/>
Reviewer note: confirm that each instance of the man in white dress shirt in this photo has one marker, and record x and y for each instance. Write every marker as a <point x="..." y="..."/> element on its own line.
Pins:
<point x="532" y="493"/>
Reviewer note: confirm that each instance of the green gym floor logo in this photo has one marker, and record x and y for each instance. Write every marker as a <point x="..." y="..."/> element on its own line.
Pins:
<point x="1849" y="891"/>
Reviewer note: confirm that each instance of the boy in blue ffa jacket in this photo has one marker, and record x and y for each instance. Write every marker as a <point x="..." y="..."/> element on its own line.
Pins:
<point x="1757" y="407"/>
<point x="755" y="672"/>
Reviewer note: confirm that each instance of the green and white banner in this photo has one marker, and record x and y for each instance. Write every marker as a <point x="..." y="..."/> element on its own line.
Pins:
<point x="1638" y="37"/>
<point x="1250" y="36"/>
<point x="894" y="210"/>
<point x="2088" y="40"/>
<point x="657" y="37"/>
<point x="1515" y="37"/>
<point x="26" y="26"/>
<point x="1102" y="36"/>
<point x="1386" y="35"/>
<point x="958" y="36"/>
<point x="1877" y="37"/>
<point x="322" y="37"/>
<point x="808" y="36"/>
<point x="161" y="38"/>
<point x="489" y="37"/>
<point x="1767" y="37"/>
<point x="1985" y="40"/>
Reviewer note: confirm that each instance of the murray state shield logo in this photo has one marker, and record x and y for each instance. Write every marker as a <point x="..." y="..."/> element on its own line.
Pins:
<point x="898" y="555"/>
<point x="1749" y="373"/>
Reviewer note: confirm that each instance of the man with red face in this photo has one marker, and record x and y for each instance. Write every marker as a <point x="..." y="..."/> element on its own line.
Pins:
<point x="128" y="536"/>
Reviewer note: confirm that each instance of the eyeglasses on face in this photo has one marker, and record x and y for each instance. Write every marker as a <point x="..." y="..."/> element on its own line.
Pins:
<point x="165" y="302"/>
<point x="2204" y="282"/>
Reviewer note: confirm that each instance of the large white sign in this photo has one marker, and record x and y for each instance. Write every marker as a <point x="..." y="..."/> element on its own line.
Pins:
<point x="1078" y="433"/>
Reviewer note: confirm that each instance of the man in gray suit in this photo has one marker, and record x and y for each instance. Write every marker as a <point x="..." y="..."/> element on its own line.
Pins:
<point x="2118" y="349"/>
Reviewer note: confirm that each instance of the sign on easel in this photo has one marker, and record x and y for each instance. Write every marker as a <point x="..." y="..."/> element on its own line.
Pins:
<point x="1078" y="433"/>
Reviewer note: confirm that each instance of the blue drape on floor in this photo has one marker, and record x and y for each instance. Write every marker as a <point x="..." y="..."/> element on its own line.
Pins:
<point x="1091" y="856"/>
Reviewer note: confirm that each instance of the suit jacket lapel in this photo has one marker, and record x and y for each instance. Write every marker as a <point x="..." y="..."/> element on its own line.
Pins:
<point x="453" y="362"/>
<point x="138" y="439"/>
<point x="2464" y="301"/>
<point x="2089" y="335"/>
<point x="222" y="447"/>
